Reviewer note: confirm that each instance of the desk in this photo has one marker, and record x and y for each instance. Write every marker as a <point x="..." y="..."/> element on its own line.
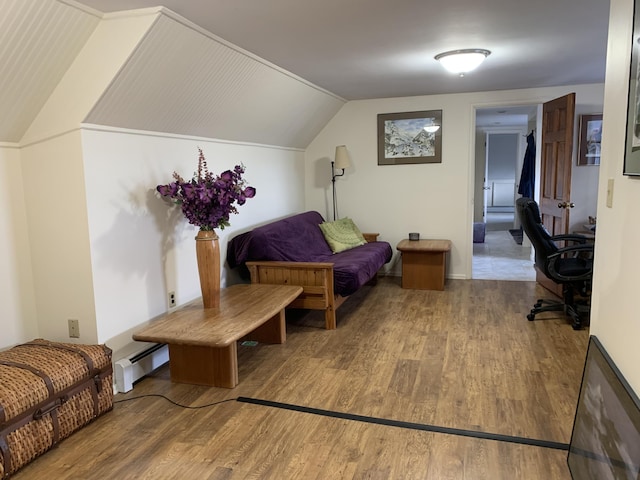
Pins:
<point x="424" y="263"/>
<point x="589" y="231"/>
<point x="203" y="341"/>
<point x="589" y="235"/>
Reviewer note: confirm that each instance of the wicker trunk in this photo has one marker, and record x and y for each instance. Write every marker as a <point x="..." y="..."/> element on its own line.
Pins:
<point x="48" y="391"/>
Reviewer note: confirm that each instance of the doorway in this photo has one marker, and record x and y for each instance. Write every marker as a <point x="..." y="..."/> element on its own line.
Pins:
<point x="500" y="146"/>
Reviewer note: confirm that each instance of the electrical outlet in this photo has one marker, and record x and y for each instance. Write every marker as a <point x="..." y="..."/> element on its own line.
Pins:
<point x="172" y="299"/>
<point x="74" y="328"/>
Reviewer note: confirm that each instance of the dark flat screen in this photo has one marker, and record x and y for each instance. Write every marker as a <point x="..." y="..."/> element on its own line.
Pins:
<point x="605" y="443"/>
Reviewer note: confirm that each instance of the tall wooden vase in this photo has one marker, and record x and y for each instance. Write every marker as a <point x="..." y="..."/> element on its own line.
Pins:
<point x="208" y="254"/>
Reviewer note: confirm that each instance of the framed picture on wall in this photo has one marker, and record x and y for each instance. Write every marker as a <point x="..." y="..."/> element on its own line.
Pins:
<point x="590" y="138"/>
<point x="410" y="137"/>
<point x="632" y="147"/>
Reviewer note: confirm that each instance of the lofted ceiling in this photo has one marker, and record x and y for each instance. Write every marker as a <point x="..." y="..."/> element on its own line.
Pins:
<point x="301" y="59"/>
<point x="183" y="81"/>
<point x="65" y="64"/>
<point x="360" y="49"/>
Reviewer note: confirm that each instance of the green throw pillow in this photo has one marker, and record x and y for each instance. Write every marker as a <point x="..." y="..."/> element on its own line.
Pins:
<point x="342" y="234"/>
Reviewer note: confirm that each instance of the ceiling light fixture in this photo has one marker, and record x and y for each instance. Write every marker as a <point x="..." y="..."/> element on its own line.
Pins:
<point x="462" y="61"/>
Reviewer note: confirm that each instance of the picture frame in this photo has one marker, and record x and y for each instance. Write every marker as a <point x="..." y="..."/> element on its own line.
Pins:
<point x="590" y="139"/>
<point x="410" y="137"/>
<point x="632" y="147"/>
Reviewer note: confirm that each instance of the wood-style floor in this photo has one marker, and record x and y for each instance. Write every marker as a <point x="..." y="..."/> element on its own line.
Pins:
<point x="465" y="358"/>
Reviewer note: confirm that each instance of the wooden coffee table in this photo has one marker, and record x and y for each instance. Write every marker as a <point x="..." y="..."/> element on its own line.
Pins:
<point x="203" y="341"/>
<point x="424" y="263"/>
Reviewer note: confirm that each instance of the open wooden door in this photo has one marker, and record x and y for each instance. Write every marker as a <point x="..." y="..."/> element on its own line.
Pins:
<point x="555" y="175"/>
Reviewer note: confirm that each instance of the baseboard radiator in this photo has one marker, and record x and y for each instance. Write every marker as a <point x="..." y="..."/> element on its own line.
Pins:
<point x="131" y="369"/>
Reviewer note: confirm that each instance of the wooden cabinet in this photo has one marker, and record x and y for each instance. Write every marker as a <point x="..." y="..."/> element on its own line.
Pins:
<point x="424" y="263"/>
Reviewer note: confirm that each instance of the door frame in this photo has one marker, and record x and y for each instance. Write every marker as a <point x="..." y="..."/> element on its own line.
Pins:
<point x="474" y="167"/>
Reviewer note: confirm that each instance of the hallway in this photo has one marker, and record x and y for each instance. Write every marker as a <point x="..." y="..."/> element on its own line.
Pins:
<point x="500" y="257"/>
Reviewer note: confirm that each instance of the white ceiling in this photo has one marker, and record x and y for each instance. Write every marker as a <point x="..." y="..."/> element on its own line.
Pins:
<point x="361" y="49"/>
<point x="501" y="116"/>
<point x="149" y="69"/>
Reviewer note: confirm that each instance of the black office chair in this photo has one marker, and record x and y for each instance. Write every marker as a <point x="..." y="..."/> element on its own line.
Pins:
<point x="570" y="266"/>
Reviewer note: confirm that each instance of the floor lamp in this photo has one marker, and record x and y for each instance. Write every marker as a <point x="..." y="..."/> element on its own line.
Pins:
<point x="341" y="162"/>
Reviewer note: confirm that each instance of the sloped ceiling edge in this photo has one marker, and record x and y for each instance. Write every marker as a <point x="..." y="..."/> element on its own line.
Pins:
<point x="90" y="74"/>
<point x="39" y="40"/>
<point x="182" y="80"/>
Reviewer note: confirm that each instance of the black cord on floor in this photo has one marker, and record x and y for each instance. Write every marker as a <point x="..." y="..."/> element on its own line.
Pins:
<point x="176" y="403"/>
<point x="374" y="420"/>
<point x="409" y="425"/>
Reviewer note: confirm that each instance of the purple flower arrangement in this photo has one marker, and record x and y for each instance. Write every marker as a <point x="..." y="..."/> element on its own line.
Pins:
<point x="208" y="201"/>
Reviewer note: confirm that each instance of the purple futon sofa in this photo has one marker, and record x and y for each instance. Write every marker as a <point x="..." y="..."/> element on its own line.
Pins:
<point x="294" y="251"/>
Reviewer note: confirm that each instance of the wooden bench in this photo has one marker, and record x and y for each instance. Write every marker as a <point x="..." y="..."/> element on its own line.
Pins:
<point x="203" y="341"/>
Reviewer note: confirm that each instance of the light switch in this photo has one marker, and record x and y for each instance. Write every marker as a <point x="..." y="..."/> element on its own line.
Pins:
<point x="610" y="193"/>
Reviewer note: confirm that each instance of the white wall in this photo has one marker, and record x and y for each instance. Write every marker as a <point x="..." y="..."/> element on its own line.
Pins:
<point x="102" y="246"/>
<point x="502" y="160"/>
<point x="141" y="248"/>
<point x="503" y="153"/>
<point x="614" y="315"/>
<point x="59" y="238"/>
<point x="18" y="320"/>
<point x="584" y="179"/>
<point x="478" y="191"/>
<point x="433" y="199"/>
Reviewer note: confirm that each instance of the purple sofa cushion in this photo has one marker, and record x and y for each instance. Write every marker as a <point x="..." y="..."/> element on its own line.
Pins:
<point x="355" y="267"/>
<point x="299" y="239"/>
<point x="292" y="239"/>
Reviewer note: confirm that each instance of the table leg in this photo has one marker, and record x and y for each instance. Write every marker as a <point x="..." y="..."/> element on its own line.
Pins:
<point x="273" y="330"/>
<point x="195" y="364"/>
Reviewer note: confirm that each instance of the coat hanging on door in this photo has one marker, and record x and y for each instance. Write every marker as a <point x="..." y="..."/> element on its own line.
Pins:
<point x="528" y="175"/>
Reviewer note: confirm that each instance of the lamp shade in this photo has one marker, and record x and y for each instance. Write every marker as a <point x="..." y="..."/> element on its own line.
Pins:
<point x="342" y="157"/>
<point x="462" y="61"/>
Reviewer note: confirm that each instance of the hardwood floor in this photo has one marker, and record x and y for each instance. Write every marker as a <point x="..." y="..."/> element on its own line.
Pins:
<point x="464" y="358"/>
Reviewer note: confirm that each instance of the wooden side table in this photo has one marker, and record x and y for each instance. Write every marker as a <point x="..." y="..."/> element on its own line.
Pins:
<point x="424" y="263"/>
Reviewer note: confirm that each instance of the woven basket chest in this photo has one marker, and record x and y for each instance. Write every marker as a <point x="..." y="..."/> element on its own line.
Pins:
<point x="48" y="391"/>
